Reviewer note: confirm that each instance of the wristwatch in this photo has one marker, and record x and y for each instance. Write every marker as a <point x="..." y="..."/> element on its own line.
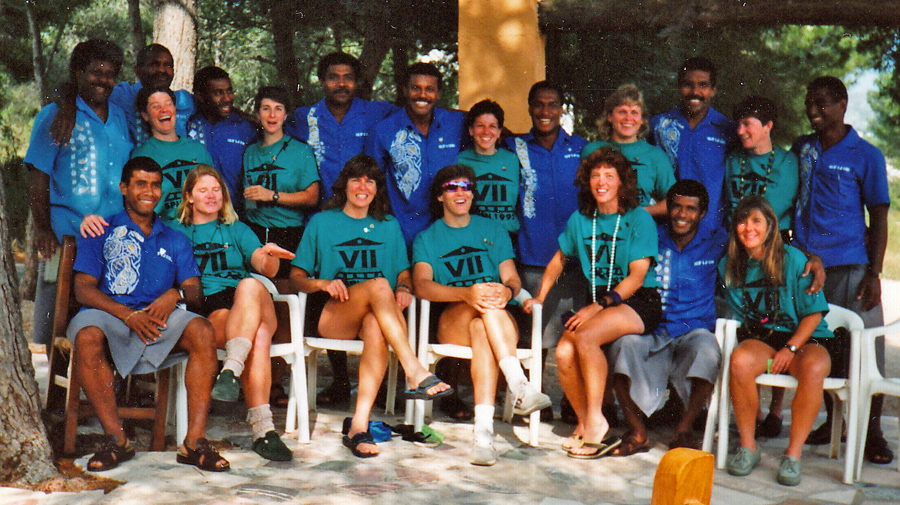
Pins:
<point x="791" y="347"/>
<point x="275" y="197"/>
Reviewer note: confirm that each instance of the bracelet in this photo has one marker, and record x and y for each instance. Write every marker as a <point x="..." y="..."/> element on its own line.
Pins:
<point x="404" y="286"/>
<point x="602" y="302"/>
<point x="616" y="298"/>
<point x="129" y="316"/>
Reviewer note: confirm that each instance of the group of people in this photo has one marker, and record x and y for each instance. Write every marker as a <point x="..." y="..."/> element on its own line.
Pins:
<point x="621" y="240"/>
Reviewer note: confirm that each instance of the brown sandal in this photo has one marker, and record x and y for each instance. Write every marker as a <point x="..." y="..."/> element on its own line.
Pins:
<point x="630" y="445"/>
<point x="203" y="457"/>
<point x="109" y="456"/>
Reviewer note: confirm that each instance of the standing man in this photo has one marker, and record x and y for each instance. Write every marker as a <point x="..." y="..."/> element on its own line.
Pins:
<point x="695" y="136"/>
<point x="219" y="127"/>
<point x="548" y="159"/>
<point x="412" y="144"/>
<point x="336" y="128"/>
<point x="69" y="181"/>
<point x="841" y="177"/>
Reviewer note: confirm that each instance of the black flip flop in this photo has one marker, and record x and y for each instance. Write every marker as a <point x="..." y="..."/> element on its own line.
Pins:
<point x="421" y="391"/>
<point x="362" y="437"/>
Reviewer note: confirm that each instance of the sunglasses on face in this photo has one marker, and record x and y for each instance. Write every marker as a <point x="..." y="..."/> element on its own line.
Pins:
<point x="452" y="186"/>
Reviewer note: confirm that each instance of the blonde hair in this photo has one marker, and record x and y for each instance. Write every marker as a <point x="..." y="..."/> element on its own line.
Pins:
<point x="772" y="262"/>
<point x="227" y="215"/>
<point x="626" y="94"/>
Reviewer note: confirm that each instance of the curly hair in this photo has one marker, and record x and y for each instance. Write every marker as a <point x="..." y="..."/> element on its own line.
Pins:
<point x="185" y="214"/>
<point x="606" y="156"/>
<point x="772" y="262"/>
<point x="443" y="176"/>
<point x="361" y="165"/>
<point x="626" y="94"/>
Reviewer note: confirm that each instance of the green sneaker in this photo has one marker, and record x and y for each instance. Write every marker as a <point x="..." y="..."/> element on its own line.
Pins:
<point x="789" y="471"/>
<point x="227" y="387"/>
<point x="743" y="461"/>
<point x="271" y="447"/>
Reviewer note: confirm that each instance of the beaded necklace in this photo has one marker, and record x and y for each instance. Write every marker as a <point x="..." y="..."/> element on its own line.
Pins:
<point x="769" y="165"/>
<point x="612" y="254"/>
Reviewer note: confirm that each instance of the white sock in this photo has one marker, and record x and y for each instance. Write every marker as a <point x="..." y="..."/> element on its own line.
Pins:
<point x="260" y="419"/>
<point x="236" y="351"/>
<point x="484" y="424"/>
<point x="512" y="370"/>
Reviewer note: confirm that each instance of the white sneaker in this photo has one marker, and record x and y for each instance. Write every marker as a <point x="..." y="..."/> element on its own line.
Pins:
<point x="484" y="455"/>
<point x="530" y="399"/>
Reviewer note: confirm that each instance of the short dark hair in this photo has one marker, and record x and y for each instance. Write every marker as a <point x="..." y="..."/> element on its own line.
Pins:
<point x="444" y="176"/>
<point x="144" y="94"/>
<point x="339" y="58"/>
<point x="146" y="52"/>
<point x="139" y="163"/>
<point x="702" y="64"/>
<point x="541" y="85"/>
<point x="361" y="165"/>
<point x="422" y="68"/>
<point x="485" y="107"/>
<point x="756" y="106"/>
<point x="93" y="50"/>
<point x="830" y="84"/>
<point x="689" y="188"/>
<point x="206" y="74"/>
<point x="274" y="93"/>
<point x="608" y="156"/>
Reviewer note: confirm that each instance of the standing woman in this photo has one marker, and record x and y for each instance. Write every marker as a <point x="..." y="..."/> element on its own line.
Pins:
<point x="352" y="260"/>
<point x="281" y="179"/>
<point x="624" y="127"/>
<point x="473" y="312"/>
<point x="781" y="322"/>
<point x="239" y="306"/>
<point x="616" y="243"/>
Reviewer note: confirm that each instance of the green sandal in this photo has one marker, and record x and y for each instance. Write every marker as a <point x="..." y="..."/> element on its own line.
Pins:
<point x="272" y="448"/>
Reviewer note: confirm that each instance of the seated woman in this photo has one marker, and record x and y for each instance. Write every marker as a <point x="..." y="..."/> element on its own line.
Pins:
<point x="353" y="253"/>
<point x="616" y="242"/>
<point x="781" y="322"/>
<point x="467" y="262"/>
<point x="239" y="306"/>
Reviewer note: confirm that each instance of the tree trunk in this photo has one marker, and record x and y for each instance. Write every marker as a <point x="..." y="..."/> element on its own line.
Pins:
<point x="137" y="28"/>
<point x="175" y="26"/>
<point x="400" y="59"/>
<point x="377" y="36"/>
<point x="282" y="15"/>
<point x="28" y="282"/>
<point x="25" y="455"/>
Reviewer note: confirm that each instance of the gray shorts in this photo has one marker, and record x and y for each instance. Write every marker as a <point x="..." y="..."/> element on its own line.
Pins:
<point x="125" y="346"/>
<point x="566" y="296"/>
<point x="652" y="361"/>
<point x="841" y="284"/>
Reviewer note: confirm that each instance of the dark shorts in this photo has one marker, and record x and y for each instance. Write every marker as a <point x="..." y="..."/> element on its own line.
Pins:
<point x="778" y="339"/>
<point x="646" y="302"/>
<point x="315" y="304"/>
<point x="288" y="238"/>
<point x="520" y="318"/>
<point x="219" y="300"/>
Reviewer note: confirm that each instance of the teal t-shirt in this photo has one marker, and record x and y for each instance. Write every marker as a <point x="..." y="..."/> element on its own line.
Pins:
<point x="464" y="256"/>
<point x="655" y="174"/>
<point x="774" y="175"/>
<point x="497" y="178"/>
<point x="222" y="252"/>
<point x="176" y="159"/>
<point x="783" y="306"/>
<point x="286" y="166"/>
<point x="337" y="246"/>
<point x="636" y="238"/>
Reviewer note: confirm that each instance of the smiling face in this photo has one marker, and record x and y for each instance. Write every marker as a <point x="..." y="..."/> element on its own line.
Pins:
<point x="545" y="110"/>
<point x="142" y="192"/>
<point x="605" y="184"/>
<point x="626" y="121"/>
<point x="218" y="99"/>
<point x="339" y="85"/>
<point x="752" y="233"/>
<point x="271" y="115"/>
<point x="361" y="192"/>
<point x="457" y="197"/>
<point x="160" y="114"/>
<point x="485" y="130"/>
<point x="824" y="112"/>
<point x="95" y="83"/>
<point x="755" y="136"/>
<point x="206" y="199"/>
<point x="422" y="94"/>
<point x="157" y="70"/>
<point x="696" y="92"/>
<point x="684" y="216"/>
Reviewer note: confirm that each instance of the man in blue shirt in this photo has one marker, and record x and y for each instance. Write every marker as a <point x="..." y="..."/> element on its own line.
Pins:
<point x="69" y="181"/>
<point x="841" y="177"/>
<point x="336" y="128"/>
<point x="683" y="351"/>
<point x="412" y="144"/>
<point x="695" y="136"/>
<point x="128" y="281"/>
<point x="219" y="127"/>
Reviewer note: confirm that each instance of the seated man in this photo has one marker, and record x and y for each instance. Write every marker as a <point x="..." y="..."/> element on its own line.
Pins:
<point x="126" y="280"/>
<point x="683" y="350"/>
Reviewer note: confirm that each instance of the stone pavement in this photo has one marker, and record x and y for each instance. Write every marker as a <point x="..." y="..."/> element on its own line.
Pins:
<point x="325" y="472"/>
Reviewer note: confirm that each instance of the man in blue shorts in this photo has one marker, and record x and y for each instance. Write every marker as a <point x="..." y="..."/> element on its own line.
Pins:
<point x="129" y="281"/>
<point x="695" y="136"/>
<point x="841" y="177"/>
<point x="683" y="351"/>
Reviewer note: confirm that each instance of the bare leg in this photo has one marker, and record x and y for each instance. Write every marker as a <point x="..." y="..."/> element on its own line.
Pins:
<point x="701" y="390"/>
<point x="570" y="379"/>
<point x="748" y="362"/>
<point x="97" y="379"/>
<point x="372" y="365"/>
<point x="810" y="366"/>
<point x="632" y="413"/>
<point x="198" y="340"/>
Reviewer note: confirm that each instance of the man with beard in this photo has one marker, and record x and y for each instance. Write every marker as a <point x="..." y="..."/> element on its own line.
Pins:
<point x="412" y="144"/>
<point x="695" y="136"/>
<point x="336" y="128"/>
<point x="69" y="181"/>
<point x="219" y="127"/>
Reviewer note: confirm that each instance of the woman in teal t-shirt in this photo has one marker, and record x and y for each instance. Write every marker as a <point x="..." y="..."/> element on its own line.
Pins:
<point x="616" y="242"/>
<point x="467" y="262"/>
<point x="280" y="177"/>
<point x="239" y="306"/>
<point x="781" y="323"/>
<point x="353" y="253"/>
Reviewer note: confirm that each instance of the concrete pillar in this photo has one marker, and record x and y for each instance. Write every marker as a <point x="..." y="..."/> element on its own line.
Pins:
<point x="501" y="54"/>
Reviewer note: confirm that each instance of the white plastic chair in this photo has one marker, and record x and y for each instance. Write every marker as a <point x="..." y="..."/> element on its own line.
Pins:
<point x="841" y="390"/>
<point x="430" y="354"/>
<point x="712" y="413"/>
<point x="292" y="352"/>
<point x="871" y="382"/>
